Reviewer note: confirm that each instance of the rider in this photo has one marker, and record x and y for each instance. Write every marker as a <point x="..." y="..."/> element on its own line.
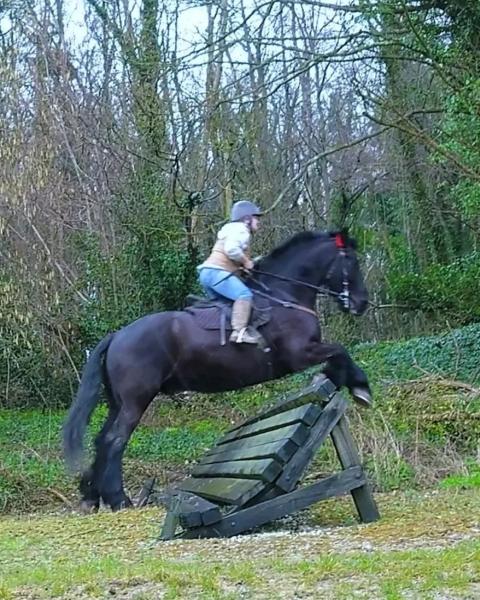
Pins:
<point x="231" y="253"/>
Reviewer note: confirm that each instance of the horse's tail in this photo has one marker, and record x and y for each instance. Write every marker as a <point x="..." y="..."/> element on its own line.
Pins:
<point x="83" y="406"/>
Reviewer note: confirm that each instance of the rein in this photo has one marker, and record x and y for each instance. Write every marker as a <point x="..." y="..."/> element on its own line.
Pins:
<point x="320" y="289"/>
<point x="344" y="295"/>
<point x="286" y="303"/>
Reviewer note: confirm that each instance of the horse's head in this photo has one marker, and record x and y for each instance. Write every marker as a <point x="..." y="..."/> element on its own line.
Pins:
<point x="311" y="262"/>
<point x="344" y="278"/>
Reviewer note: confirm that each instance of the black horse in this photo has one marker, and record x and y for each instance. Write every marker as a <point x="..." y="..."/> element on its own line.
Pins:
<point x="169" y="352"/>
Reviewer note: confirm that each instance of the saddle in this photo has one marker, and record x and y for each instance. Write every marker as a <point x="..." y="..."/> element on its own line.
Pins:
<point x="216" y="315"/>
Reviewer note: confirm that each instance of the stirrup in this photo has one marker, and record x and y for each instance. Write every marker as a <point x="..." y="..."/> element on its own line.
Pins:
<point x="244" y="336"/>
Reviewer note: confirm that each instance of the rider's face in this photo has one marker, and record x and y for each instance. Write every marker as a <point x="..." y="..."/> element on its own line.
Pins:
<point x="254" y="224"/>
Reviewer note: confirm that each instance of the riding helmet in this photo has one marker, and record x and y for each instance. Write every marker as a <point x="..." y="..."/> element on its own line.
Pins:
<point x="244" y="208"/>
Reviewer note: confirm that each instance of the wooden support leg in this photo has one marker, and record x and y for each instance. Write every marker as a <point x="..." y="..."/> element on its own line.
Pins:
<point x="172" y="520"/>
<point x="348" y="454"/>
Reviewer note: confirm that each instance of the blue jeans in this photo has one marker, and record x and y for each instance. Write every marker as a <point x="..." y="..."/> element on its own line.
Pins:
<point x="217" y="282"/>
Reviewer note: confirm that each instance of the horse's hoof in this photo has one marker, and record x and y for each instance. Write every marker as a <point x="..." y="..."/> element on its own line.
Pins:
<point x="362" y="396"/>
<point x="88" y="507"/>
<point x="125" y="503"/>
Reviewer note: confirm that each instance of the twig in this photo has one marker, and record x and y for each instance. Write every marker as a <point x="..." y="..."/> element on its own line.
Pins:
<point x="449" y="416"/>
<point x="321" y="155"/>
<point x="442" y="381"/>
<point x="59" y="495"/>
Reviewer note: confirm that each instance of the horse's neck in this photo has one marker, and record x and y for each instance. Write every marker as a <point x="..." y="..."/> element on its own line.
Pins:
<point x="287" y="285"/>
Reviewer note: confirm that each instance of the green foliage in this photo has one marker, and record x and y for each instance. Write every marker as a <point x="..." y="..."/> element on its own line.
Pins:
<point x="390" y="471"/>
<point x="401" y="258"/>
<point x="35" y="368"/>
<point x="152" y="269"/>
<point x="460" y="141"/>
<point x="30" y="428"/>
<point x="469" y="479"/>
<point x="29" y="457"/>
<point x="452" y="354"/>
<point x="442" y="291"/>
<point x="175" y="444"/>
<point x="149" y="266"/>
<point x="452" y="290"/>
<point x="30" y="452"/>
<point x="421" y="425"/>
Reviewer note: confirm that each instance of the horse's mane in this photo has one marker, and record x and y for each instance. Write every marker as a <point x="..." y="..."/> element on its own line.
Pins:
<point x="301" y="238"/>
<point x="294" y="241"/>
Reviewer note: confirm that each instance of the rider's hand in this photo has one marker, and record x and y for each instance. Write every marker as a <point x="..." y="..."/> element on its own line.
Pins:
<point x="248" y="265"/>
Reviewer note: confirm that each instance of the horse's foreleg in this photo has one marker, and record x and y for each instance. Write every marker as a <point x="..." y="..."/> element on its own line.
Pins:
<point x="342" y="370"/>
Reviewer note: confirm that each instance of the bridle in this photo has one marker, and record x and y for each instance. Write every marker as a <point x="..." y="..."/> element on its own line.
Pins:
<point x="344" y="295"/>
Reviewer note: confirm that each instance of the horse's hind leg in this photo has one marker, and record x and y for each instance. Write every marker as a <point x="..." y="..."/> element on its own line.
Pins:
<point x="88" y="485"/>
<point x="110" y="478"/>
<point x="90" y="501"/>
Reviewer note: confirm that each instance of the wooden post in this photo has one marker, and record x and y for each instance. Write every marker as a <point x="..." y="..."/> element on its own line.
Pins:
<point x="348" y="455"/>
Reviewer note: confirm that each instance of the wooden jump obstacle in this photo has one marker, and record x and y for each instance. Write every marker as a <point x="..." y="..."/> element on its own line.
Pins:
<point x="252" y="475"/>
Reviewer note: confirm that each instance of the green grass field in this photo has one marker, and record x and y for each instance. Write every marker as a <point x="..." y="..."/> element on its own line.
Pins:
<point x="427" y="545"/>
<point x="419" y="445"/>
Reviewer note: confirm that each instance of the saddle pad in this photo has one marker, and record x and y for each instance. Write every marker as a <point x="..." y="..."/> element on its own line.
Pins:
<point x="210" y="318"/>
<point x="216" y="316"/>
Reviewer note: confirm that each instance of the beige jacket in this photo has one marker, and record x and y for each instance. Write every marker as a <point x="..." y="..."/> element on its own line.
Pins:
<point x="232" y="248"/>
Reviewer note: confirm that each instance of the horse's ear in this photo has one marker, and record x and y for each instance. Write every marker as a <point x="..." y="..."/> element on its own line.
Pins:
<point x="349" y="241"/>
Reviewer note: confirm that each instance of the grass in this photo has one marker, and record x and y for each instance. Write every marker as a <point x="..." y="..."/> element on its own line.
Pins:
<point x="423" y="431"/>
<point x="425" y="544"/>
<point x="30" y="456"/>
<point x="400" y="444"/>
<point x="470" y="478"/>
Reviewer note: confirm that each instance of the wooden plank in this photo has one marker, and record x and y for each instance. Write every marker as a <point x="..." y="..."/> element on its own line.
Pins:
<point x="194" y="511"/>
<point x="286" y="504"/>
<point x="281" y="450"/>
<point x="306" y="414"/>
<point x="223" y="490"/>
<point x="319" y="392"/>
<point x="348" y="456"/>
<point x="188" y="511"/>
<point x="297" y="433"/>
<point x="265" y="469"/>
<point x="294" y="469"/>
